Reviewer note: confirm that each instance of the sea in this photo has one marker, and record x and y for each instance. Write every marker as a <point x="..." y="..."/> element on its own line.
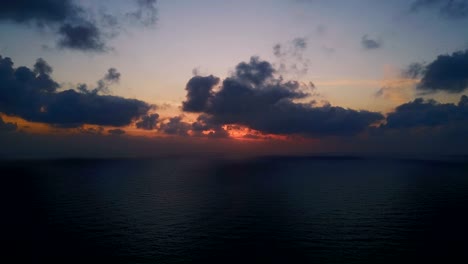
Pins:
<point x="302" y="209"/>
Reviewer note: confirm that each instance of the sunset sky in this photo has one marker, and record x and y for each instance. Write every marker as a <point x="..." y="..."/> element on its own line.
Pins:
<point x="154" y="77"/>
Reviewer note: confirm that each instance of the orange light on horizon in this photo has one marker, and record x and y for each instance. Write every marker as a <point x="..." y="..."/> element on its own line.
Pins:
<point x="239" y="132"/>
<point x="235" y="132"/>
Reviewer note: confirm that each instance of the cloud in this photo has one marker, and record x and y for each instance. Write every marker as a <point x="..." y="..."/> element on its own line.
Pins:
<point x="254" y="98"/>
<point x="148" y="122"/>
<point x="116" y="132"/>
<point x="33" y="95"/>
<point x="424" y="126"/>
<point x="291" y="56"/>
<point x="300" y="44"/>
<point x="447" y="73"/>
<point x="414" y="70"/>
<point x="6" y="126"/>
<point x="449" y="9"/>
<point x="146" y="12"/>
<point x="85" y="37"/>
<point x="427" y="113"/>
<point x="255" y="72"/>
<point x="70" y="21"/>
<point x="175" y="126"/>
<point x="38" y="11"/>
<point x="370" y="43"/>
<point x="75" y="26"/>
<point x="277" y="50"/>
<point x="206" y="123"/>
<point x="199" y="91"/>
<point x="112" y="76"/>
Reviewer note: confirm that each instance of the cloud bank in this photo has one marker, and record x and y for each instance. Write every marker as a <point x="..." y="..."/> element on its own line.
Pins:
<point x="428" y="113"/>
<point x="447" y="73"/>
<point x="33" y="95"/>
<point x="255" y="98"/>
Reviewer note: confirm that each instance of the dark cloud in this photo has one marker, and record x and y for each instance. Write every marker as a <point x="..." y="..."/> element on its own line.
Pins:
<point x="116" y="132"/>
<point x="6" y="126"/>
<point x="71" y="22"/>
<point x="204" y="126"/>
<point x="199" y="91"/>
<point x="41" y="67"/>
<point x="206" y="123"/>
<point x="148" y="122"/>
<point x="42" y="70"/>
<point x="33" y="95"/>
<point x="253" y="97"/>
<point x="447" y="73"/>
<point x="463" y="101"/>
<point x="38" y="11"/>
<point x="370" y="43"/>
<point x="76" y="27"/>
<point x="427" y="113"/>
<point x="450" y="9"/>
<point x="255" y="72"/>
<point x="85" y="37"/>
<point x="175" y="126"/>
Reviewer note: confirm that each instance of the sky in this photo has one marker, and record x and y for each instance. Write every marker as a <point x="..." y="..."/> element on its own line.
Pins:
<point x="159" y="77"/>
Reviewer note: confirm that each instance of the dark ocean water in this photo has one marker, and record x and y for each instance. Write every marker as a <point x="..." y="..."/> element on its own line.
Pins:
<point x="265" y="210"/>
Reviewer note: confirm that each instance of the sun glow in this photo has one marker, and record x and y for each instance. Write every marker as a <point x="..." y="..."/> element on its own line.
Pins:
<point x="239" y="132"/>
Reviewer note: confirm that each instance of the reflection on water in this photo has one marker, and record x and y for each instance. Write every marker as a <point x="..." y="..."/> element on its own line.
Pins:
<point x="321" y="210"/>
